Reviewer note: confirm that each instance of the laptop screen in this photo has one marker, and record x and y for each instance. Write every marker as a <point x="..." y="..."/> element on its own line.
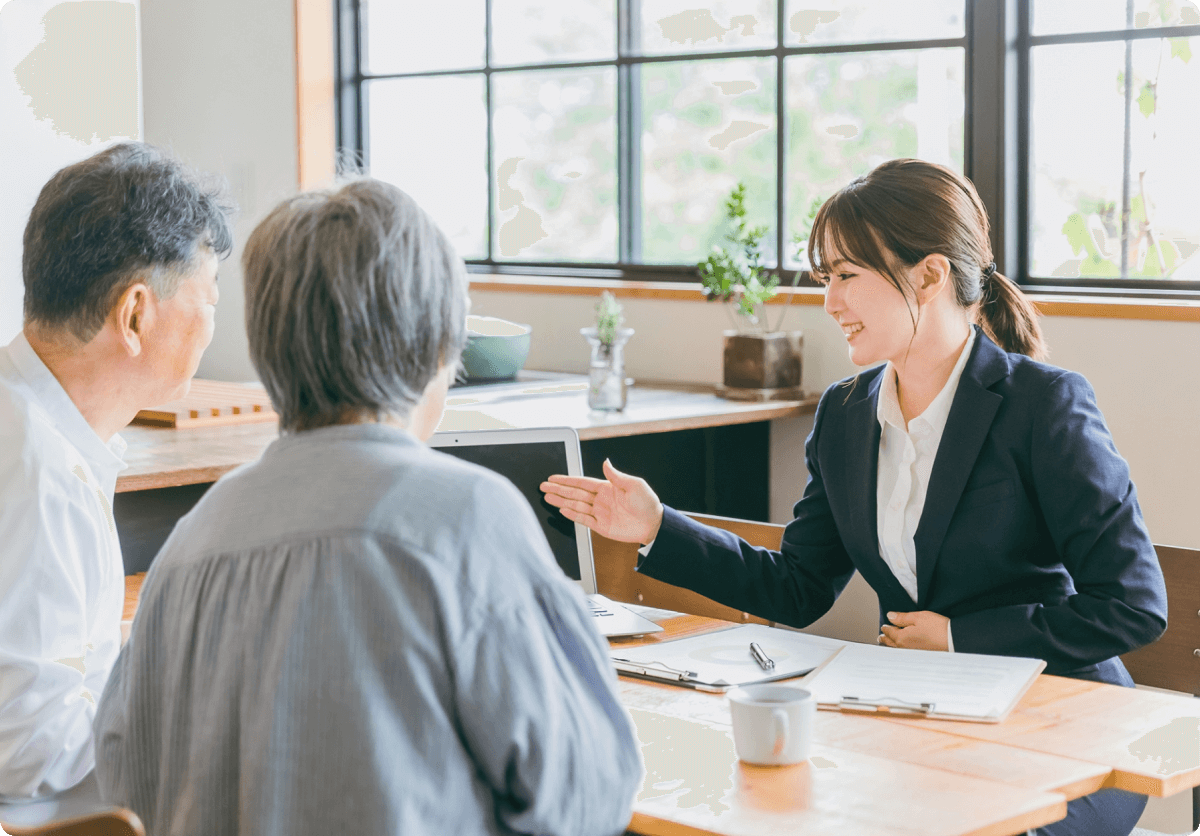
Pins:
<point x="527" y="465"/>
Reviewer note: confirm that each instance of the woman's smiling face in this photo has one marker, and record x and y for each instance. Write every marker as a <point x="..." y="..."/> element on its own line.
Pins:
<point x="876" y="319"/>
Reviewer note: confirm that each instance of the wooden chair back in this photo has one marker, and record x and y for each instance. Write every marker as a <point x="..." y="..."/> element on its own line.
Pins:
<point x="616" y="578"/>
<point x="116" y="821"/>
<point x="1173" y="661"/>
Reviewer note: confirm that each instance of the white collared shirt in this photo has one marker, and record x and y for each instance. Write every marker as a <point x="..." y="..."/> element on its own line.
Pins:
<point x="906" y="456"/>
<point x="62" y="586"/>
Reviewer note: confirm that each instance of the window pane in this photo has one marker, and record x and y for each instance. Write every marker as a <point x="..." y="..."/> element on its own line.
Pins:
<point x="673" y="26"/>
<point x="406" y="36"/>
<point x="534" y="31"/>
<point x="850" y="21"/>
<point x="429" y="137"/>
<point x="848" y="113"/>
<point x="706" y="125"/>
<point x="1052" y="17"/>
<point x="1077" y="153"/>
<point x="556" y="164"/>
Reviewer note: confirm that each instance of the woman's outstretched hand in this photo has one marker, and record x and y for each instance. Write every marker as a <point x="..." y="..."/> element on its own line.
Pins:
<point x="621" y="507"/>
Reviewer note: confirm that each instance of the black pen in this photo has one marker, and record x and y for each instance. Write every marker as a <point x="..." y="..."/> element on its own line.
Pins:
<point x="764" y="661"/>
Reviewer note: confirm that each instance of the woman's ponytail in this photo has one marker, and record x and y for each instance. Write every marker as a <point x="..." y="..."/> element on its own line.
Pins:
<point x="1008" y="317"/>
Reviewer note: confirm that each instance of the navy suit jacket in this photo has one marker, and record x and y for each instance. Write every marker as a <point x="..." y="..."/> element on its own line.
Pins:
<point x="1031" y="540"/>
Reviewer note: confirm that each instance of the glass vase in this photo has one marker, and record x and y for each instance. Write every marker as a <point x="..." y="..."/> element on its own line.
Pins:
<point x="606" y="373"/>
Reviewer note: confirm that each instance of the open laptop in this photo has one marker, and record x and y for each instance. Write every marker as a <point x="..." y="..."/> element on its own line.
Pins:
<point x="526" y="458"/>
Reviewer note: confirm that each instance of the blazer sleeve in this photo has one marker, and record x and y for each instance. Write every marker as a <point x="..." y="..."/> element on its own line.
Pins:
<point x="1092" y="515"/>
<point x="795" y="586"/>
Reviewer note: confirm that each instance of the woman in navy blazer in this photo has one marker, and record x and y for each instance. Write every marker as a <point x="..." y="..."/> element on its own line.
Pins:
<point x="1029" y="540"/>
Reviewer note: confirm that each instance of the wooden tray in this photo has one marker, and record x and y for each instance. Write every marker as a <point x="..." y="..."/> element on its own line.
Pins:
<point x="212" y="403"/>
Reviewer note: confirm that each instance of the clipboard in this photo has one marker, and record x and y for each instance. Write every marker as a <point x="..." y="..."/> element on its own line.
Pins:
<point x="722" y="659"/>
<point x="869" y="678"/>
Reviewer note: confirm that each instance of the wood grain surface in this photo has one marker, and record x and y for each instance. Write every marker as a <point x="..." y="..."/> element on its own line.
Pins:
<point x="1173" y="662"/>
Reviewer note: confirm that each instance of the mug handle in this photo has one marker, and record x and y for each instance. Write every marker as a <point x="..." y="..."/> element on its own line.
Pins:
<point x="779" y="720"/>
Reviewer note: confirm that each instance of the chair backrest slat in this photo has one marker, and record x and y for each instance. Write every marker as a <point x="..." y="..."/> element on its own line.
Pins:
<point x="616" y="578"/>
<point x="1171" y="662"/>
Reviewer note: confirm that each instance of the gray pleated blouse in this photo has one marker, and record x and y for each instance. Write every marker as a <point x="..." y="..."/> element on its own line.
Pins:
<point x="357" y="634"/>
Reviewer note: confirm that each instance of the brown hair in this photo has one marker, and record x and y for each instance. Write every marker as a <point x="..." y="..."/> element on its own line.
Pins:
<point x="905" y="210"/>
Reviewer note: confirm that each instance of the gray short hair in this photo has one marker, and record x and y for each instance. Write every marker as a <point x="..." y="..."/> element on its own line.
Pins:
<point x="129" y="213"/>
<point x="354" y="299"/>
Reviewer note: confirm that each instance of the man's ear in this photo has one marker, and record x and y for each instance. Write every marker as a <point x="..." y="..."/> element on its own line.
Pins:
<point x="932" y="276"/>
<point x="131" y="316"/>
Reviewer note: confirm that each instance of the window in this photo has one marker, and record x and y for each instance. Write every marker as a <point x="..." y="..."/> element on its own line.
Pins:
<point x="586" y="137"/>
<point x="1114" y="190"/>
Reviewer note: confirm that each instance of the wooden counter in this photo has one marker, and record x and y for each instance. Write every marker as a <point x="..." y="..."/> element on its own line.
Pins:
<point x="163" y="458"/>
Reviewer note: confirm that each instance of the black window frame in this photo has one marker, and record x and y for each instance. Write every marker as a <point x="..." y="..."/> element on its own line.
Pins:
<point x="997" y="43"/>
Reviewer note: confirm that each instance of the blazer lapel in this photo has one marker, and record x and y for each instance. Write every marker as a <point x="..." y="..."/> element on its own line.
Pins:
<point x="971" y="414"/>
<point x="860" y="444"/>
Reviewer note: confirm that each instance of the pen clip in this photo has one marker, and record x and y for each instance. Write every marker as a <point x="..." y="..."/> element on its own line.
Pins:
<point x="885" y="705"/>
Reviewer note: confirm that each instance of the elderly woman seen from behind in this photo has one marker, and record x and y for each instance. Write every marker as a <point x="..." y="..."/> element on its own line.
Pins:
<point x="356" y="633"/>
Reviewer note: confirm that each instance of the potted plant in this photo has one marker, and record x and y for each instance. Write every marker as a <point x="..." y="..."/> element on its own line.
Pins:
<point x="606" y="373"/>
<point x="760" y="363"/>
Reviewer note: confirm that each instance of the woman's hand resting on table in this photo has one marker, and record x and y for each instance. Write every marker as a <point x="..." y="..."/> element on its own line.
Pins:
<point x="621" y="507"/>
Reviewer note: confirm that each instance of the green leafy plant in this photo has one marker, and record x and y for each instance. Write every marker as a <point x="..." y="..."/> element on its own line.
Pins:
<point x="609" y="318"/>
<point x="735" y="274"/>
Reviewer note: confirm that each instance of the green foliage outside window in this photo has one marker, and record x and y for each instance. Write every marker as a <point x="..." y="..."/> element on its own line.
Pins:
<point x="1096" y="222"/>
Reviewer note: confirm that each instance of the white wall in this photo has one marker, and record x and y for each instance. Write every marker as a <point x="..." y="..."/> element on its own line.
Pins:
<point x="219" y="80"/>
<point x="68" y="88"/>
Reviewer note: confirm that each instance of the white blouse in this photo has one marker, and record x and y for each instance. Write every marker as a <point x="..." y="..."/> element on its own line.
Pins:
<point x="906" y="456"/>
<point x="62" y="587"/>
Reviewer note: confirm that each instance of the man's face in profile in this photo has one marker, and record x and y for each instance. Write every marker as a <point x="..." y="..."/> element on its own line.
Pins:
<point x="185" y="328"/>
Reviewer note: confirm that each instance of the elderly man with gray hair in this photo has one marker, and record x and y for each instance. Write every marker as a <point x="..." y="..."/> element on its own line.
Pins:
<point x="356" y="633"/>
<point x="120" y="272"/>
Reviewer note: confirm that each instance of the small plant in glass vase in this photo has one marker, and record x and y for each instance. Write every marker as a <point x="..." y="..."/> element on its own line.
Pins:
<point x="607" y="389"/>
<point x="760" y="363"/>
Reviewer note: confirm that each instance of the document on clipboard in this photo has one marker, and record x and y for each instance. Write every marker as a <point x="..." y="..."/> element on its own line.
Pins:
<point x="926" y="683"/>
<point x="720" y="660"/>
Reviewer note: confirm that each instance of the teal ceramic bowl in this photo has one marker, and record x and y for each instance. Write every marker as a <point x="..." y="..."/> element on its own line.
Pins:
<point x="496" y="348"/>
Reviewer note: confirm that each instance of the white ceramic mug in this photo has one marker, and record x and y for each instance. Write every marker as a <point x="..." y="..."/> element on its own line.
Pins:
<point x="772" y="724"/>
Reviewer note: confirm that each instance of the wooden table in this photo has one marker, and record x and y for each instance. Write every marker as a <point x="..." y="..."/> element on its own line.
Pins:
<point x="895" y="776"/>
<point x="160" y="458"/>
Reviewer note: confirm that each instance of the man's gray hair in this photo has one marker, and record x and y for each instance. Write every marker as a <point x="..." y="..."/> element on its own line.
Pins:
<point x="354" y="299"/>
<point x="129" y="213"/>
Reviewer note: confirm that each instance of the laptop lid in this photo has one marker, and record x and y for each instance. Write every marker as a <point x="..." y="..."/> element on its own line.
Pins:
<point x="526" y="458"/>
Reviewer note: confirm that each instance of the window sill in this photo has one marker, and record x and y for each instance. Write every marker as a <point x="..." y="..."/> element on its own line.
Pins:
<point x="1109" y="307"/>
<point x="622" y="288"/>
